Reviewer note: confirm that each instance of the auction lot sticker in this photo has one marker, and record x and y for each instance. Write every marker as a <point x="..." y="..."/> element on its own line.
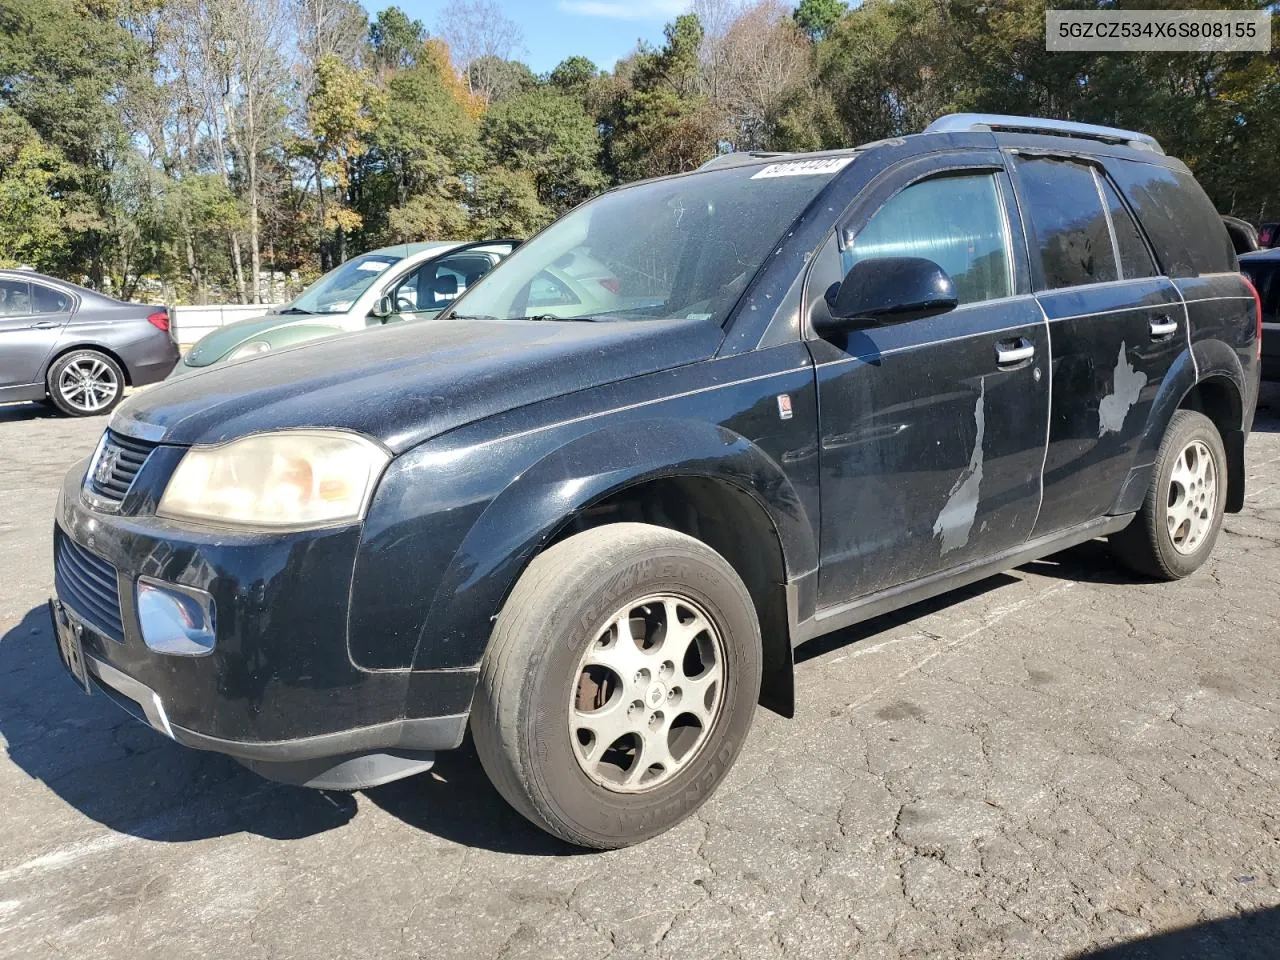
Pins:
<point x="1143" y="30"/>
<point x="802" y="168"/>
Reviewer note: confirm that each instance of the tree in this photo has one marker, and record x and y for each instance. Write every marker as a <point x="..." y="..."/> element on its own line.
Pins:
<point x="550" y="136"/>
<point x="496" y="79"/>
<point x="573" y="75"/>
<point x="479" y="33"/>
<point x="817" y="17"/>
<point x="505" y="204"/>
<point x="32" y="230"/>
<point x="396" y="40"/>
<point x="760" y="58"/>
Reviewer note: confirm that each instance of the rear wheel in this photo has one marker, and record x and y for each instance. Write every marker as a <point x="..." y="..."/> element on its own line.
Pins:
<point x="1174" y="532"/>
<point x="85" y="383"/>
<point x="619" y="684"/>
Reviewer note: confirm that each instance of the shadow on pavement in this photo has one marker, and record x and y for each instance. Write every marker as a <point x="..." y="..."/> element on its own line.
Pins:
<point x="1249" y="936"/>
<point x="15" y="412"/>
<point x="126" y="776"/>
<point x="456" y="801"/>
<point x="819" y="646"/>
<point x="1088" y="562"/>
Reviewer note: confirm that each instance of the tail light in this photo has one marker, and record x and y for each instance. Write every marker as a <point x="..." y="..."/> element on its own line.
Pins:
<point x="612" y="284"/>
<point x="159" y="320"/>
<point x="1257" y="309"/>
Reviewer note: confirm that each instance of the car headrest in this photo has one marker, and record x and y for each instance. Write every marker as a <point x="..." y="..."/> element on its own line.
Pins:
<point x="445" y="286"/>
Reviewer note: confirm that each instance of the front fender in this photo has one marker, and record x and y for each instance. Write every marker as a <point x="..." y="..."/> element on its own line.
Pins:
<point x="499" y="530"/>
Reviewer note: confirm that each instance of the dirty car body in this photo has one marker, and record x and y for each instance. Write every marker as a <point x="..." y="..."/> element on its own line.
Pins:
<point x="840" y="470"/>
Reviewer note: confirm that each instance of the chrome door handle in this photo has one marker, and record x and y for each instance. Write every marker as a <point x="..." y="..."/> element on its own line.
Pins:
<point x="1163" y="327"/>
<point x="46" y="324"/>
<point x="1010" y="353"/>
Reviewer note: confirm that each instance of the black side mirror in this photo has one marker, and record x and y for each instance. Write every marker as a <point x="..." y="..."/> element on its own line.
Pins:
<point x="886" y="290"/>
<point x="383" y="309"/>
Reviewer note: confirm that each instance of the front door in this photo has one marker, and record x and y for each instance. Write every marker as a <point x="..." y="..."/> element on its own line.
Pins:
<point x="932" y="431"/>
<point x="1115" y="328"/>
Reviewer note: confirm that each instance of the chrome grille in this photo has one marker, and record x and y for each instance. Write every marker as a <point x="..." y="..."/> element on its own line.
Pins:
<point x="116" y="464"/>
<point x="87" y="585"/>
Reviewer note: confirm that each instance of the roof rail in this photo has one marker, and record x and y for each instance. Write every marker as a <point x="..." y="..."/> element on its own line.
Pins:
<point x="956" y="122"/>
<point x="735" y="159"/>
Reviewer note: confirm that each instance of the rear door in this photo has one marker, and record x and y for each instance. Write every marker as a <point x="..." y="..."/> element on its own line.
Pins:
<point x="1264" y="273"/>
<point x="932" y="431"/>
<point x="1115" y="328"/>
<point x="31" y="320"/>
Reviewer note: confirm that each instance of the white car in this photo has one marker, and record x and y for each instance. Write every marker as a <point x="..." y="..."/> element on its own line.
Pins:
<point x="409" y="281"/>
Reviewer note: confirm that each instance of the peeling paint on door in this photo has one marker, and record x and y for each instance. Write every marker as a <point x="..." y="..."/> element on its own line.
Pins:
<point x="956" y="519"/>
<point x="1115" y="406"/>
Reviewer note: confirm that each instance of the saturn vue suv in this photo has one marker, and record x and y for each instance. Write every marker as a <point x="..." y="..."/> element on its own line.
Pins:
<point x="822" y="387"/>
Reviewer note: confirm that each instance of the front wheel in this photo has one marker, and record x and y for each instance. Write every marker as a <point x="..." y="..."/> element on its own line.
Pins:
<point x="1174" y="532"/>
<point x="619" y="684"/>
<point x="85" y="383"/>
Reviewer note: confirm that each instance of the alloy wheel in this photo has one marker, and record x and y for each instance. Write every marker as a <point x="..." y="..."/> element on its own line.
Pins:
<point x="1193" y="497"/>
<point x="88" y="384"/>
<point x="648" y="692"/>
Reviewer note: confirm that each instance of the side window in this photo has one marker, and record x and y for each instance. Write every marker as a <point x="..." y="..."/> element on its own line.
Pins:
<point x="1066" y="222"/>
<point x="1135" y="258"/>
<point x="958" y="222"/>
<point x="49" y="300"/>
<point x="15" y="298"/>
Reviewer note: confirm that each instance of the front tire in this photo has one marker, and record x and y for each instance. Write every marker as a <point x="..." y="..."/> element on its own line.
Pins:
<point x="619" y="684"/>
<point x="85" y="383"/>
<point x="1174" y="532"/>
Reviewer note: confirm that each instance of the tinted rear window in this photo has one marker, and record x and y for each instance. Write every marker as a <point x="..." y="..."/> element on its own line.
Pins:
<point x="1186" y="231"/>
<point x="1067" y="222"/>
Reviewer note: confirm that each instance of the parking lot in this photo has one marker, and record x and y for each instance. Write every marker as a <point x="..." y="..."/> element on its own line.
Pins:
<point x="1045" y="764"/>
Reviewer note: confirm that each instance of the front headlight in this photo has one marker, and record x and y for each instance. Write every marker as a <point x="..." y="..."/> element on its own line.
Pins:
<point x="250" y="349"/>
<point x="295" y="478"/>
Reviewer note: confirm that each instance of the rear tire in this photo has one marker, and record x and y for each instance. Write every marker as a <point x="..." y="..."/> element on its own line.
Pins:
<point x="619" y="684"/>
<point x="85" y="383"/>
<point x="1174" y="532"/>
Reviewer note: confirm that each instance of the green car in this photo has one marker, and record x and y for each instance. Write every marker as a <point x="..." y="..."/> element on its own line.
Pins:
<point x="409" y="281"/>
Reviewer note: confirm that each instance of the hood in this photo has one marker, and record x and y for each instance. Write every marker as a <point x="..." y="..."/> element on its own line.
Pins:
<point x="215" y="345"/>
<point x="405" y="383"/>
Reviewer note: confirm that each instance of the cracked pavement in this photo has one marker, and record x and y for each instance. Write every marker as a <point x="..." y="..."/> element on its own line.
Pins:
<point x="1049" y="762"/>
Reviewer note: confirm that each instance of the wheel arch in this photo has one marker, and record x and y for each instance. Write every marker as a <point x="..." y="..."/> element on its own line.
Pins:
<point x="60" y="352"/>
<point x="1208" y="379"/>
<point x="691" y="476"/>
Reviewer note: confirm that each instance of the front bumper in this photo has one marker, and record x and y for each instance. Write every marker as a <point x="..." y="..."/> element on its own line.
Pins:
<point x="279" y="687"/>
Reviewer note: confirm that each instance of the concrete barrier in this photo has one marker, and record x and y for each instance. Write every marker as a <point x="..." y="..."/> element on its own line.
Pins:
<point x="192" y="323"/>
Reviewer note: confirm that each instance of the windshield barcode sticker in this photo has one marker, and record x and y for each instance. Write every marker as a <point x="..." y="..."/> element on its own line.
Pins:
<point x="802" y="168"/>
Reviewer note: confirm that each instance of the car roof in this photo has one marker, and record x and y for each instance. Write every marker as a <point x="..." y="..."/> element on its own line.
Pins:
<point x="83" y="292"/>
<point x="1271" y="254"/>
<point x="412" y="249"/>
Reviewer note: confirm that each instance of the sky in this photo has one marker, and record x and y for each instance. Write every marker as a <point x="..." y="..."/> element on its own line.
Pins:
<point x="602" y="30"/>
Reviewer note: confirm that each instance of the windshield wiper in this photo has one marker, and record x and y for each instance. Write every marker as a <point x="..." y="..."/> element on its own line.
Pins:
<point x="296" y="310"/>
<point x="552" y="316"/>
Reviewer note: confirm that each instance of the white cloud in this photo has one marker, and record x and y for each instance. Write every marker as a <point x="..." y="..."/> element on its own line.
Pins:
<point x="635" y="10"/>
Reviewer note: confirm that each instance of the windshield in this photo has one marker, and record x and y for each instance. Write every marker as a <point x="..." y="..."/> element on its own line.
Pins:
<point x="341" y="287"/>
<point x="684" y="247"/>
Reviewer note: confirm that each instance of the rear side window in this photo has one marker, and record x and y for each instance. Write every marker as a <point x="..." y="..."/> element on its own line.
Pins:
<point x="48" y="300"/>
<point x="15" y="298"/>
<point x="958" y="222"/>
<point x="1185" y="230"/>
<point x="1066" y="222"/>
<point x="1135" y="258"/>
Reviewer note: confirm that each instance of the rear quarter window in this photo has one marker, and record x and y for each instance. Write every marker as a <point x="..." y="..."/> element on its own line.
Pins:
<point x="1182" y="224"/>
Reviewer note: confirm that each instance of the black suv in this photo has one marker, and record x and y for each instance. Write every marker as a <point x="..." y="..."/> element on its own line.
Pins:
<point x="589" y="512"/>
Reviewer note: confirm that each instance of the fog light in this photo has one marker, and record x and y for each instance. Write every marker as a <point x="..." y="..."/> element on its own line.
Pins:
<point x="175" y="620"/>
